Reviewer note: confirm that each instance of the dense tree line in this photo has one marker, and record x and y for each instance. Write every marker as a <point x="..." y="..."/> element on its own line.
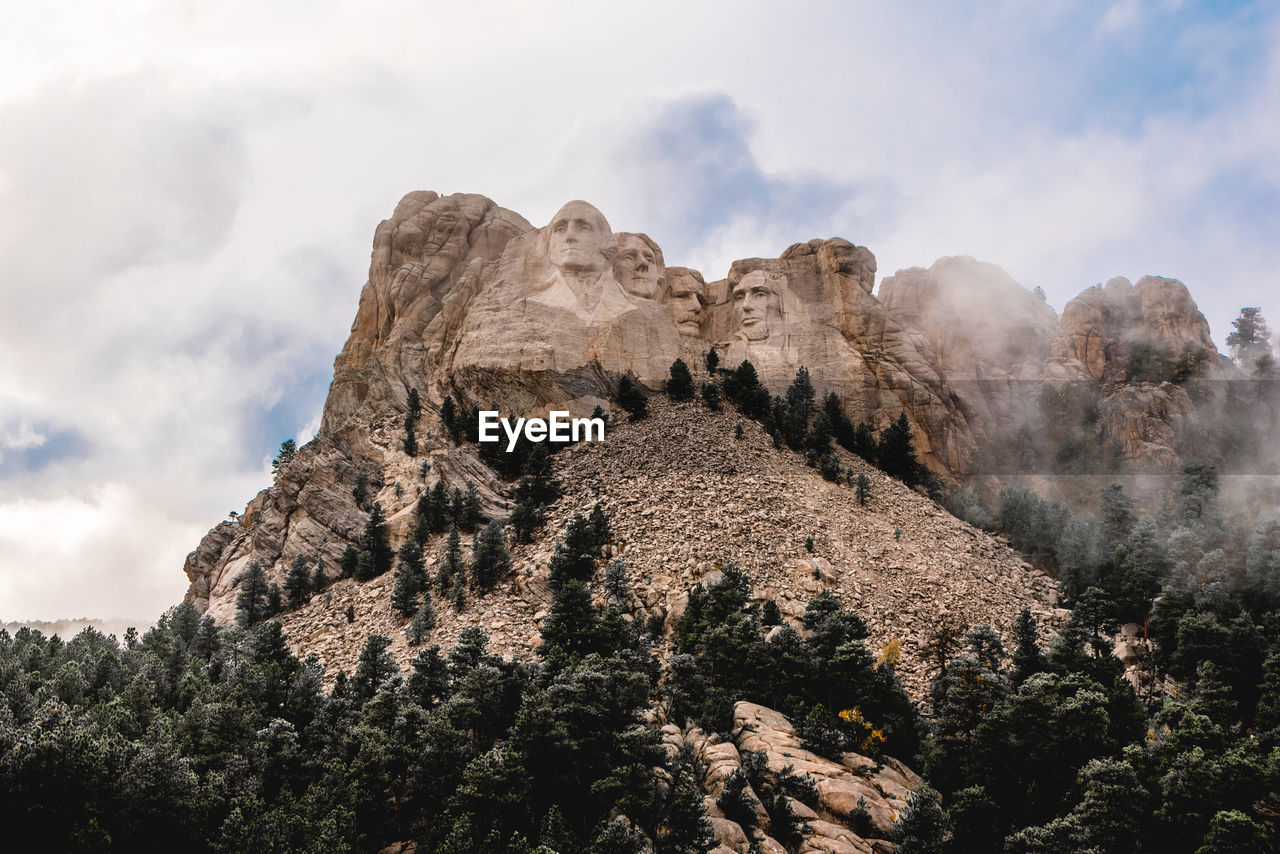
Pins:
<point x="196" y="738"/>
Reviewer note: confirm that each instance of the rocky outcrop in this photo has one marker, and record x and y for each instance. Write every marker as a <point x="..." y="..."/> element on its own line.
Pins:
<point x="882" y="787"/>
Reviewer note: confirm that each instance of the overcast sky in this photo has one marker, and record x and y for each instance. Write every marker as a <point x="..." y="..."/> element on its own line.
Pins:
<point x="188" y="193"/>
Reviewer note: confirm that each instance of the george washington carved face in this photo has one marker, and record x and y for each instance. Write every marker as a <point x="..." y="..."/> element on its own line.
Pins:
<point x="579" y="239"/>
<point x="757" y="303"/>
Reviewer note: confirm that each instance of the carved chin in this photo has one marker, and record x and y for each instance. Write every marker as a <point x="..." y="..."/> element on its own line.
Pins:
<point x="689" y="327"/>
<point x="755" y="330"/>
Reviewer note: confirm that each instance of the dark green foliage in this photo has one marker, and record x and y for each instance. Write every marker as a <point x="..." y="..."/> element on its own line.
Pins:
<point x="922" y="828"/>
<point x="711" y="396"/>
<point x="360" y="492"/>
<point x="737" y="430"/>
<point x="1028" y="660"/>
<point x="1234" y="832"/>
<point x="680" y="382"/>
<point x="616" y="586"/>
<point x="808" y="543"/>
<point x="452" y="418"/>
<point x="575" y="555"/>
<point x="864" y="442"/>
<point x="736" y="801"/>
<point x="414" y="410"/>
<point x="374" y="668"/>
<point x="743" y="388"/>
<point x="712" y="359"/>
<point x="319" y="579"/>
<point x="251" y="601"/>
<point x="770" y="614"/>
<point x="862" y="488"/>
<point x="490" y="560"/>
<point x="410" y="580"/>
<point x="525" y="520"/>
<point x="433" y="513"/>
<point x="424" y="619"/>
<point x="288" y="450"/>
<point x="632" y="399"/>
<point x="349" y="561"/>
<point x="538" y="487"/>
<point x="451" y="563"/>
<point x="895" y="453"/>
<point x="600" y="528"/>
<point x="376" y="544"/>
<point x="297" y="583"/>
<point x="830" y="467"/>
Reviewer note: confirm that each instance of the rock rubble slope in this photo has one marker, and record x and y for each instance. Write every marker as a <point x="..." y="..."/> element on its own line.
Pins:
<point x="685" y="496"/>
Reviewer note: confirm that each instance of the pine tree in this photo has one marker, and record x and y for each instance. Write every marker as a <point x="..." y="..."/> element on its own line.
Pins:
<point x="251" y="601"/>
<point x="864" y="442"/>
<point x="349" y="561"/>
<point x="922" y="828"/>
<point x="712" y="359"/>
<point x="458" y="594"/>
<point x="538" y="487"/>
<point x="433" y="513"/>
<point x="600" y="529"/>
<point x="895" y="454"/>
<point x="275" y="599"/>
<point x="711" y="396"/>
<point x="862" y="488"/>
<point x="424" y="620"/>
<point x="632" y="399"/>
<point x="490" y="560"/>
<point x="616" y="587"/>
<point x="404" y="595"/>
<point x="818" y="440"/>
<point x="451" y="562"/>
<point x="680" y="383"/>
<point x="319" y="580"/>
<point x="374" y="668"/>
<point x="472" y="516"/>
<point x="1028" y="660"/>
<point x="288" y="450"/>
<point x="1251" y="338"/>
<point x="524" y="521"/>
<point x="297" y="583"/>
<point x="375" y="542"/>
<point x="575" y="555"/>
<point x="360" y="492"/>
<point x="449" y="417"/>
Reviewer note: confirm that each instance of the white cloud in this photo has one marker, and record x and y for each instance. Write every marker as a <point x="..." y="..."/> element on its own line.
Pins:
<point x="188" y="193"/>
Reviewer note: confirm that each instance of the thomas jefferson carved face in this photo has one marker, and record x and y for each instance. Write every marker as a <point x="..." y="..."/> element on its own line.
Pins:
<point x="579" y="238"/>
<point x="638" y="265"/>
<point x="684" y="300"/>
<point x="757" y="300"/>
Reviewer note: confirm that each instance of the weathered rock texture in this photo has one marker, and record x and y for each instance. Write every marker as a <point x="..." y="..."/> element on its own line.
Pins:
<point x="684" y="497"/>
<point x="884" y="787"/>
<point x="467" y="298"/>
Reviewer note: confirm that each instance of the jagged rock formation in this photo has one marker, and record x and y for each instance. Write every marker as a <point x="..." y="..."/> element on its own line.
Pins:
<point x="467" y="298"/>
<point x="883" y="788"/>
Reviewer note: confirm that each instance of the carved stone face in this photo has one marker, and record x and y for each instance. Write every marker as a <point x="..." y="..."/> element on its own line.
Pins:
<point x="684" y="300"/>
<point x="637" y="266"/>
<point x="579" y="235"/>
<point x="756" y="300"/>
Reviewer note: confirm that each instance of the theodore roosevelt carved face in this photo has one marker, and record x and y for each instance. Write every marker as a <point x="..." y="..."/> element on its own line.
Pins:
<point x="757" y="303"/>
<point x="638" y="265"/>
<point x="684" y="300"/>
<point x="579" y="239"/>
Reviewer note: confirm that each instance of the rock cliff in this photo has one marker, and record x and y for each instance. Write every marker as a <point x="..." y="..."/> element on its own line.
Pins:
<point x="467" y="299"/>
